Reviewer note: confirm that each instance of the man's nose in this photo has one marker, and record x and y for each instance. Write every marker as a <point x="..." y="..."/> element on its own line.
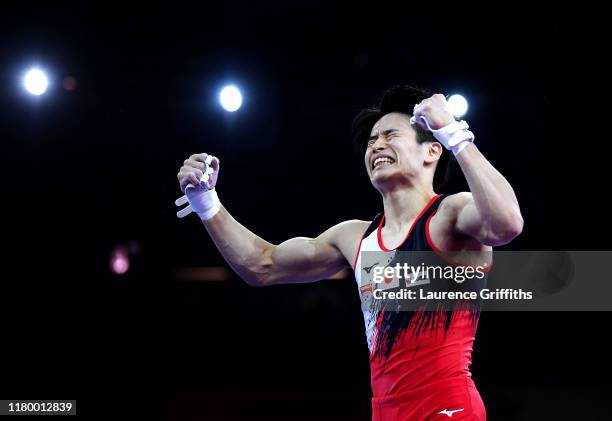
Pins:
<point x="379" y="144"/>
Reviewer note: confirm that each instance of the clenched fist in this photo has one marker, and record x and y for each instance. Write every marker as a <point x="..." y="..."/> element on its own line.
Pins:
<point x="193" y="170"/>
<point x="435" y="114"/>
<point x="197" y="179"/>
<point x="436" y="110"/>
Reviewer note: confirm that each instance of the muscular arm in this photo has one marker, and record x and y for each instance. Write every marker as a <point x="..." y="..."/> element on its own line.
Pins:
<point x="298" y="260"/>
<point x="490" y="213"/>
<point x="256" y="261"/>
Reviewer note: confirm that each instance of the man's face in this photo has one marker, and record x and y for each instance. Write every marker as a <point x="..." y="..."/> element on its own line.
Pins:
<point x="393" y="154"/>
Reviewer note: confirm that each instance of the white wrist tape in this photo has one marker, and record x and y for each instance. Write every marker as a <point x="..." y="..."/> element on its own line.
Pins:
<point x="205" y="203"/>
<point x="455" y="136"/>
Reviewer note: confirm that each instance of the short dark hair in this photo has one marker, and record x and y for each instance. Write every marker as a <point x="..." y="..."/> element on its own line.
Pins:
<point x="400" y="99"/>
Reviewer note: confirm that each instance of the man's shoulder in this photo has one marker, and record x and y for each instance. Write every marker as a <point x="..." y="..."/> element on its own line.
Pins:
<point x="347" y="235"/>
<point x="451" y="205"/>
<point x="352" y="226"/>
<point x="349" y="230"/>
<point x="442" y="229"/>
<point x="456" y="200"/>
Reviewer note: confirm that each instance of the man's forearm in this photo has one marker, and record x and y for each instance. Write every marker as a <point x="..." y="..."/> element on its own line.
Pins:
<point x="244" y="251"/>
<point x="493" y="196"/>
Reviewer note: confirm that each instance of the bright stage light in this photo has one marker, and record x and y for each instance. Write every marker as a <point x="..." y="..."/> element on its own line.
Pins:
<point x="35" y="82"/>
<point x="230" y="98"/>
<point x="458" y="105"/>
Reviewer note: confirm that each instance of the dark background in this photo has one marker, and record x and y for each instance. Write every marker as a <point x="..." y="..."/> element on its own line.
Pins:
<point x="90" y="169"/>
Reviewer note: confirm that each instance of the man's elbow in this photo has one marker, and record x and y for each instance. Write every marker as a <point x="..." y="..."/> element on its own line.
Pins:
<point x="253" y="281"/>
<point x="503" y="232"/>
<point x="259" y="273"/>
<point x="257" y="279"/>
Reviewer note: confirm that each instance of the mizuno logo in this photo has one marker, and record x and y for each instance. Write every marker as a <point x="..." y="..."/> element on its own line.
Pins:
<point x="450" y="412"/>
<point x="368" y="269"/>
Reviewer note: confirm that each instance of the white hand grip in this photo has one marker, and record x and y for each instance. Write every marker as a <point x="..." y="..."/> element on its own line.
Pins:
<point x="183" y="199"/>
<point x="184" y="212"/>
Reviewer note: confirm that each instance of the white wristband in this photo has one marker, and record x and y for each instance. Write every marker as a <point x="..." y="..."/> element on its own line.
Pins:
<point x="455" y="136"/>
<point x="205" y="204"/>
<point x="204" y="200"/>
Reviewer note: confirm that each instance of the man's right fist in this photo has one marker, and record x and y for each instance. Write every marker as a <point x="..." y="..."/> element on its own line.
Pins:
<point x="193" y="170"/>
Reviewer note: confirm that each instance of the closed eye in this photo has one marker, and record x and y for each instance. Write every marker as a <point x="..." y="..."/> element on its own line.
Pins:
<point x="389" y="133"/>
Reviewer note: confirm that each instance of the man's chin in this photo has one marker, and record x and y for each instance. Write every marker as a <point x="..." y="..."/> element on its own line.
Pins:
<point x="383" y="178"/>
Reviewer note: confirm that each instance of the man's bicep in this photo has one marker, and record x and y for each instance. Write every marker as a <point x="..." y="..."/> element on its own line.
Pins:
<point x="461" y="215"/>
<point x="470" y="223"/>
<point x="303" y="259"/>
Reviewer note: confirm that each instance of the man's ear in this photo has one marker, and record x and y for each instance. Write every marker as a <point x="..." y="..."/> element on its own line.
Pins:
<point x="434" y="152"/>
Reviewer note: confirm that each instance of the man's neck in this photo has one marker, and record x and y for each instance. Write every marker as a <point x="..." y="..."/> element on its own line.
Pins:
<point x="404" y="203"/>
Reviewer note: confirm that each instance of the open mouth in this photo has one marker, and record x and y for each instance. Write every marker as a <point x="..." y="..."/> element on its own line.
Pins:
<point x="382" y="161"/>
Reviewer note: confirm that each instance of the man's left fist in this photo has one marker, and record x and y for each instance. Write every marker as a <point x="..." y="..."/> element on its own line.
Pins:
<point x="436" y="110"/>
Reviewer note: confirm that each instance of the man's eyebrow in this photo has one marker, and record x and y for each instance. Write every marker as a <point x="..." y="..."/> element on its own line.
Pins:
<point x="385" y="133"/>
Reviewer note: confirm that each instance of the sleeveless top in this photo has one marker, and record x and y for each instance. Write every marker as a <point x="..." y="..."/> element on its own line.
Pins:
<point x="413" y="346"/>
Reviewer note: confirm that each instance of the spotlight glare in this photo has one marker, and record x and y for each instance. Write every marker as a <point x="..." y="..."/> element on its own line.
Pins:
<point x="35" y="82"/>
<point x="458" y="105"/>
<point x="230" y="98"/>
